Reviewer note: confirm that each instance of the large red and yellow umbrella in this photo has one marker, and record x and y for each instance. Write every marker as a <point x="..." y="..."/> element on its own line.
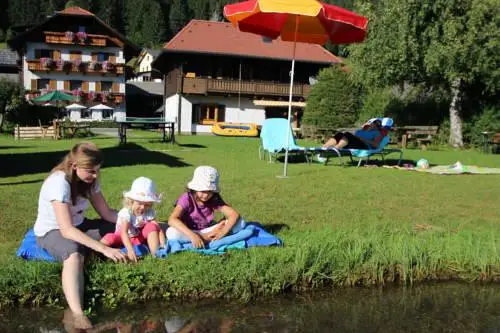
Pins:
<point x="306" y="21"/>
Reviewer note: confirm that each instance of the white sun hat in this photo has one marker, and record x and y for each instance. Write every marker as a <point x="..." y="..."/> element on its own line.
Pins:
<point x="143" y="189"/>
<point x="205" y="178"/>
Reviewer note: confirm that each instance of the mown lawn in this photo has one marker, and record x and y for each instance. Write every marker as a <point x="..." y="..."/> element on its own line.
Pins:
<point x="341" y="226"/>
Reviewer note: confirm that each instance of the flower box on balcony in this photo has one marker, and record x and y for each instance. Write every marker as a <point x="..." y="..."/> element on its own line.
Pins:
<point x="69" y="35"/>
<point x="95" y="66"/>
<point x="47" y="63"/>
<point x="81" y="37"/>
<point x="81" y="65"/>
<point x="108" y="66"/>
<point x="67" y="66"/>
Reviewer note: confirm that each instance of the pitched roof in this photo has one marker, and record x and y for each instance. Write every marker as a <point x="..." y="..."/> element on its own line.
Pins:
<point x="69" y="13"/>
<point x="153" y="52"/>
<point x="228" y="40"/>
<point x="75" y="11"/>
<point x="8" y="58"/>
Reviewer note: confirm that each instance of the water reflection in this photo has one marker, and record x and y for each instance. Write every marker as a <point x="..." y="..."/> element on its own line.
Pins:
<point x="436" y="308"/>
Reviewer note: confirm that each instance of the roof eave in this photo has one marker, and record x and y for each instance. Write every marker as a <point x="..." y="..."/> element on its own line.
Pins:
<point x="165" y="51"/>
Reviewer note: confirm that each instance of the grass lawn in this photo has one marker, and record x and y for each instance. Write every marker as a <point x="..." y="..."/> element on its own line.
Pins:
<point x="3" y="45"/>
<point x="341" y="226"/>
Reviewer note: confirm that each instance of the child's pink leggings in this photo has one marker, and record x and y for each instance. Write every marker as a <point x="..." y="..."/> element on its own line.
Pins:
<point x="115" y="240"/>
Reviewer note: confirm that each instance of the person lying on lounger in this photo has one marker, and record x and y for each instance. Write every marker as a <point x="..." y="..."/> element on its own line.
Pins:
<point x="368" y="137"/>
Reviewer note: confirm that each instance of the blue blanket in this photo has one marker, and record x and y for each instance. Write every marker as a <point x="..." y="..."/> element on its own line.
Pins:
<point x="252" y="235"/>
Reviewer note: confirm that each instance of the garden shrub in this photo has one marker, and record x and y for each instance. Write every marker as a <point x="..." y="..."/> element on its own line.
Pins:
<point x="375" y="104"/>
<point x="487" y="121"/>
<point x="332" y="102"/>
<point x="33" y="115"/>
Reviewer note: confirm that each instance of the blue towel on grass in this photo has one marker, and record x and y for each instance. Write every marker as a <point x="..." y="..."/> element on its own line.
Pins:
<point x="252" y="235"/>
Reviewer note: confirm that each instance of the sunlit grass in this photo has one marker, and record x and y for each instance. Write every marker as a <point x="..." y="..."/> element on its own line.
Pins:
<point x="341" y="226"/>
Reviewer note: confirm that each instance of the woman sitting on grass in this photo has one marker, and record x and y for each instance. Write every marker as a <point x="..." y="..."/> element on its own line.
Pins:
<point x="61" y="228"/>
<point x="137" y="220"/>
<point x="195" y="211"/>
<point x="368" y="137"/>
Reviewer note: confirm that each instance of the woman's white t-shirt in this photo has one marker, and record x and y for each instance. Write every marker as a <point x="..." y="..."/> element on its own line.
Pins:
<point x="57" y="188"/>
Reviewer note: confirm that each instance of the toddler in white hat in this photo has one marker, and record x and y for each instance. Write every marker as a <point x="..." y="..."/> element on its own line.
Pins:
<point x="136" y="222"/>
<point x="194" y="212"/>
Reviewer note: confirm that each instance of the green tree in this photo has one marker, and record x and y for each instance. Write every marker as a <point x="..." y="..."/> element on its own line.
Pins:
<point x="178" y="16"/>
<point x="332" y="101"/>
<point x="446" y="44"/>
<point x="11" y="97"/>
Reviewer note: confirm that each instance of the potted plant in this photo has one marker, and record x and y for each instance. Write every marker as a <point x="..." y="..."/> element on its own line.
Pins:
<point x="81" y="65"/>
<point x="104" y="97"/>
<point x="59" y="64"/>
<point x="108" y="66"/>
<point x="67" y="65"/>
<point x="95" y="66"/>
<point x="46" y="63"/>
<point x="81" y="36"/>
<point x="69" y="35"/>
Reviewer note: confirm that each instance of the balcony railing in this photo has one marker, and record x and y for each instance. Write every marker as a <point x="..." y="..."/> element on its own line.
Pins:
<point x="53" y="37"/>
<point x="265" y="88"/>
<point x="92" y="67"/>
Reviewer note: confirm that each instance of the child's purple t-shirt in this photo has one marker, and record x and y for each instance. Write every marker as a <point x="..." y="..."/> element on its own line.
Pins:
<point x="195" y="216"/>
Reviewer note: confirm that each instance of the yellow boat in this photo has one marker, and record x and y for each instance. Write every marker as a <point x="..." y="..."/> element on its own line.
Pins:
<point x="235" y="129"/>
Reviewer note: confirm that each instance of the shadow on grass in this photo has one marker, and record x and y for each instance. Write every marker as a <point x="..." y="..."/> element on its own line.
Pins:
<point x="191" y="145"/>
<point x="276" y="227"/>
<point x="123" y="155"/>
<point x="22" y="182"/>
<point x="12" y="147"/>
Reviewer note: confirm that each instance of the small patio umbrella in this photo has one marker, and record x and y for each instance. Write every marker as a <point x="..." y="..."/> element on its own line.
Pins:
<point x="75" y="106"/>
<point x="101" y="107"/>
<point x="307" y="21"/>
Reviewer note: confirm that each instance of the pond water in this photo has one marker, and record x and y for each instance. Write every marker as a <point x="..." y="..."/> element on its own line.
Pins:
<point x="427" y="308"/>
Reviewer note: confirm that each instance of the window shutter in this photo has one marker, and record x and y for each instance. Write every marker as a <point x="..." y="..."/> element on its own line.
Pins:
<point x="53" y="84"/>
<point x="112" y="59"/>
<point x="34" y="84"/>
<point x="66" y="85"/>
<point x="115" y="87"/>
<point x="57" y="55"/>
<point x="98" y="86"/>
<point x="85" y="86"/>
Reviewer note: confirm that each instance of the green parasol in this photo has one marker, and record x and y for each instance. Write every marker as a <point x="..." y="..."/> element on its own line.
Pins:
<point x="53" y="96"/>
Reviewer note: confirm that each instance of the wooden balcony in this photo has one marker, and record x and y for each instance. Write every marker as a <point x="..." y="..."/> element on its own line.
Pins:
<point x="230" y="86"/>
<point x="53" y="37"/>
<point x="36" y="66"/>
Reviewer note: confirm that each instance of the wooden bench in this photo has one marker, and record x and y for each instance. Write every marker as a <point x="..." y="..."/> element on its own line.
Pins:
<point x="421" y="135"/>
<point x="34" y="132"/>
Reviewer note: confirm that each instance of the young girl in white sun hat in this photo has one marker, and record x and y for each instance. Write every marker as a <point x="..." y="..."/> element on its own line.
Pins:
<point x="193" y="216"/>
<point x="136" y="222"/>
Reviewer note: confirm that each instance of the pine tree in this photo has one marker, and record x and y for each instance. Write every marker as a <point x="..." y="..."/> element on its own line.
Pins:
<point x="178" y="15"/>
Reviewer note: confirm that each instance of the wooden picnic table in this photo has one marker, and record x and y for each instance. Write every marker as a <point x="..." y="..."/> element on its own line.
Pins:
<point x="143" y="122"/>
<point x="65" y="129"/>
<point x="422" y="135"/>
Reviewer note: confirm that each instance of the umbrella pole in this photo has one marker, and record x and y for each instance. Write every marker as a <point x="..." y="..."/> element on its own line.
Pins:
<point x="292" y="72"/>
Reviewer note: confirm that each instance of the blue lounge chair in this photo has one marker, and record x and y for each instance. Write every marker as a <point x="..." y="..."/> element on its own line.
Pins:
<point x="363" y="154"/>
<point x="273" y="140"/>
